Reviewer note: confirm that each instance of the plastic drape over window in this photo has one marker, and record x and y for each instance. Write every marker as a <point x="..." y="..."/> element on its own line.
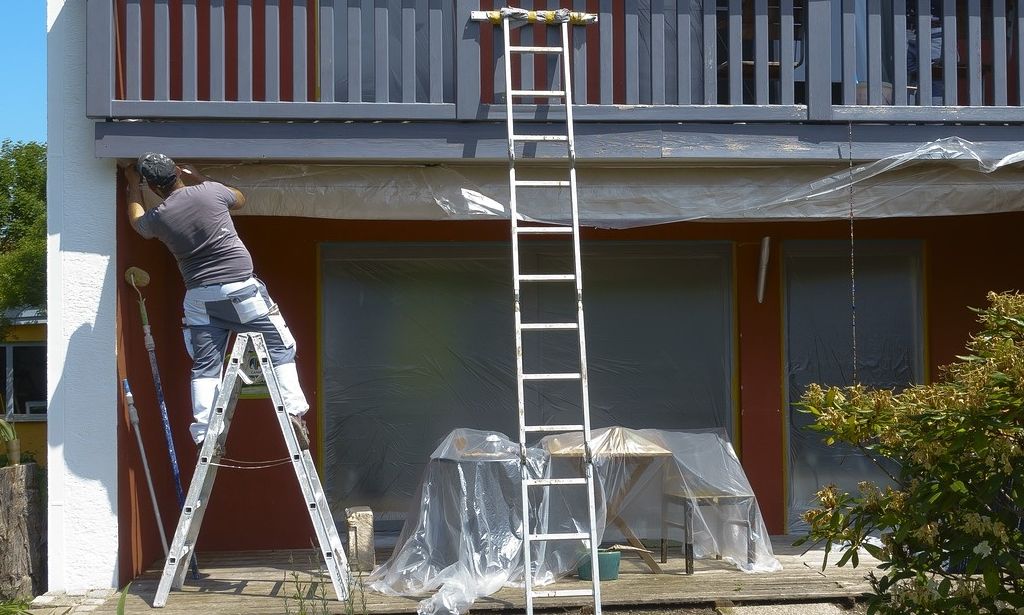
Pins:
<point x="463" y="539"/>
<point x="947" y="177"/>
<point x="819" y="345"/>
<point x="418" y="340"/>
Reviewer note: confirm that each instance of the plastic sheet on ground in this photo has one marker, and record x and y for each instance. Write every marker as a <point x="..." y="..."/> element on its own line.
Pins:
<point x="463" y="539"/>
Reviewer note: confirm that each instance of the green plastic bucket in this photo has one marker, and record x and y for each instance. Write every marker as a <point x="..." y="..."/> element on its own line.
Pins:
<point x="607" y="566"/>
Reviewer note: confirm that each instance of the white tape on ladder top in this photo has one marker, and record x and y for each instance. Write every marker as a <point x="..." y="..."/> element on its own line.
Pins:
<point x="555" y="17"/>
<point x="187" y="532"/>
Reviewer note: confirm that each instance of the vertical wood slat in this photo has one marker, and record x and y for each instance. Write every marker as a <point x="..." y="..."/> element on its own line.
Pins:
<point x="874" y="52"/>
<point x="467" y="33"/>
<point x="327" y="28"/>
<point x="899" y="38"/>
<point x="761" y="52"/>
<point x="436" y="46"/>
<point x="658" y="75"/>
<point x="245" y="50"/>
<point x="632" y="19"/>
<point x="710" y="44"/>
<point x="1019" y="29"/>
<point x="579" y="59"/>
<point x="300" y="77"/>
<point x="684" y="61"/>
<point x="974" y="85"/>
<point x="271" y="51"/>
<point x="355" y="52"/>
<point x="999" y="53"/>
<point x="849" y="47"/>
<point x="819" y="60"/>
<point x="133" y="51"/>
<point x="552" y="64"/>
<point x="381" y="48"/>
<point x="736" y="52"/>
<point x="189" y="51"/>
<point x="607" y="51"/>
<point x="787" y="59"/>
<point x="924" y="53"/>
<point x="498" y="53"/>
<point x="217" y="65"/>
<point x="409" y="8"/>
<point x="949" y="52"/>
<point x="101" y="76"/>
<point x="161" y="50"/>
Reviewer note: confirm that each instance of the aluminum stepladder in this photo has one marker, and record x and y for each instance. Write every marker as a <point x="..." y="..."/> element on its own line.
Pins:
<point x="209" y="459"/>
<point x="532" y="486"/>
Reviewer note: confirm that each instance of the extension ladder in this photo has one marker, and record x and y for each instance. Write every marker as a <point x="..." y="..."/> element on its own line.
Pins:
<point x="531" y="486"/>
<point x="209" y="460"/>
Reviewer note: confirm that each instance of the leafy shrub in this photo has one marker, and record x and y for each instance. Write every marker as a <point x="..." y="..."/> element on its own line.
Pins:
<point x="950" y="528"/>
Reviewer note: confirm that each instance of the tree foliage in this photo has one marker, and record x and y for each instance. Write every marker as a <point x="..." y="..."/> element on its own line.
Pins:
<point x="22" y="225"/>
<point x="950" y="525"/>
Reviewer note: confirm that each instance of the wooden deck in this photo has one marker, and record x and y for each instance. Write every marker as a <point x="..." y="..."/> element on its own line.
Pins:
<point x="262" y="582"/>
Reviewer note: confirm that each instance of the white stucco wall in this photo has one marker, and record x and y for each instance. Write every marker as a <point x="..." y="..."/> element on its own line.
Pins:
<point x="81" y="368"/>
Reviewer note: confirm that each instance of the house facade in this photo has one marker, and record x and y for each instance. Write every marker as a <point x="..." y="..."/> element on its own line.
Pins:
<point x="774" y="192"/>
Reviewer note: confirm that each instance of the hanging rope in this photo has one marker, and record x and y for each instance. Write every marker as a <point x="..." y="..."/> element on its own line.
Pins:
<point x="853" y="262"/>
<point x="236" y="464"/>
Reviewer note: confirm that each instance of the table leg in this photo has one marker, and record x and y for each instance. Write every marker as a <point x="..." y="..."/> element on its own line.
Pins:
<point x="632" y="539"/>
<point x="688" y="534"/>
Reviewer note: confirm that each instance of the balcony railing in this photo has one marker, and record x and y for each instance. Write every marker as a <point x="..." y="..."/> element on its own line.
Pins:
<point x="646" y="60"/>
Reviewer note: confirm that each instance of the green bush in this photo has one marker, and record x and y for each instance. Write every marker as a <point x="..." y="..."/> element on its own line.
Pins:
<point x="950" y="522"/>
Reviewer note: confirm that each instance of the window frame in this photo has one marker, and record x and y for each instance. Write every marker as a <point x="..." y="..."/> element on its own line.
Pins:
<point x="8" y="386"/>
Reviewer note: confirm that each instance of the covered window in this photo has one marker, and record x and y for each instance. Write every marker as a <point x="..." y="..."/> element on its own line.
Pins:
<point x="24" y="384"/>
<point x="819" y="347"/>
<point x="417" y="339"/>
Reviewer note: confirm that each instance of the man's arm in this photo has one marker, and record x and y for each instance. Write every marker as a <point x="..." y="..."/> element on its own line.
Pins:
<point x="135" y="207"/>
<point x="191" y="177"/>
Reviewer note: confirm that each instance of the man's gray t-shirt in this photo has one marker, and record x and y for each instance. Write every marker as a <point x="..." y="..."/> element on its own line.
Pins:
<point x="195" y="224"/>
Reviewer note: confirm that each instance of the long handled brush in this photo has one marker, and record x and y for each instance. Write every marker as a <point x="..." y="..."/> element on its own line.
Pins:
<point x="134" y="416"/>
<point x="139" y="278"/>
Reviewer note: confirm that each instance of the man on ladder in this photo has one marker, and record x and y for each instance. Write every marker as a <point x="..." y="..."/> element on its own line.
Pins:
<point x="222" y="295"/>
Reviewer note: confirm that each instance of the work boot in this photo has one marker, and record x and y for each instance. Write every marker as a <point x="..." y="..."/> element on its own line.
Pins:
<point x="301" y="432"/>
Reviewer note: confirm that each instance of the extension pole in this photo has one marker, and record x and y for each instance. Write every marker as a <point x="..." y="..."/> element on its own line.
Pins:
<point x="136" y="276"/>
<point x="133" y="414"/>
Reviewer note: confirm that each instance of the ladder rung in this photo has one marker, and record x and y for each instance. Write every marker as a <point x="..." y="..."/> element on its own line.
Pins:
<point x="533" y="49"/>
<point x="553" y="376"/>
<point x="538" y="93"/>
<point x="544" y="230"/>
<point x="558" y="536"/>
<point x="549" y="326"/>
<point x="540" y="138"/>
<point x="561" y="593"/>
<point x="548" y="482"/>
<point x="551" y="428"/>
<point x="542" y="183"/>
<point x="548" y="277"/>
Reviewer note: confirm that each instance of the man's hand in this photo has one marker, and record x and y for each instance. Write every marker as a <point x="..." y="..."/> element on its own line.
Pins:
<point x="190" y="176"/>
<point x="131" y="174"/>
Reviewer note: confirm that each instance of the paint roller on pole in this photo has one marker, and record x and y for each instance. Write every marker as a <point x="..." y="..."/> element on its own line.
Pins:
<point x="136" y="278"/>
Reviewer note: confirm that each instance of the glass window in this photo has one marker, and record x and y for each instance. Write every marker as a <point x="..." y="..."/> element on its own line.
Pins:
<point x="418" y="340"/>
<point x="819" y="347"/>
<point x="24" y="386"/>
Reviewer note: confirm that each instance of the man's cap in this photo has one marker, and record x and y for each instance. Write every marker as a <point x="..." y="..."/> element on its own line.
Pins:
<point x="157" y="169"/>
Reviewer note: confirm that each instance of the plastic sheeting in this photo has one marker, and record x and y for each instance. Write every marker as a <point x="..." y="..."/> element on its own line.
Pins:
<point x="418" y="339"/>
<point x="464" y="536"/>
<point x="819" y="340"/>
<point x="947" y="177"/>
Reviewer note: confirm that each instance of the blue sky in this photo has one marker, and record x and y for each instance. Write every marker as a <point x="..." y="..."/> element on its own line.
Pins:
<point x="23" y="70"/>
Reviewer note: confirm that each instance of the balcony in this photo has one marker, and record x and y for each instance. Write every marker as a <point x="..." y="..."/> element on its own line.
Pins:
<point x="645" y="61"/>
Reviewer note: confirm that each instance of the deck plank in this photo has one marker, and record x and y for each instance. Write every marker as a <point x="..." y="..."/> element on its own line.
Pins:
<point x="260" y="582"/>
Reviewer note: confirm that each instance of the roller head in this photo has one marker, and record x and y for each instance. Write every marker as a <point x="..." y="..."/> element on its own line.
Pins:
<point x="136" y="276"/>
